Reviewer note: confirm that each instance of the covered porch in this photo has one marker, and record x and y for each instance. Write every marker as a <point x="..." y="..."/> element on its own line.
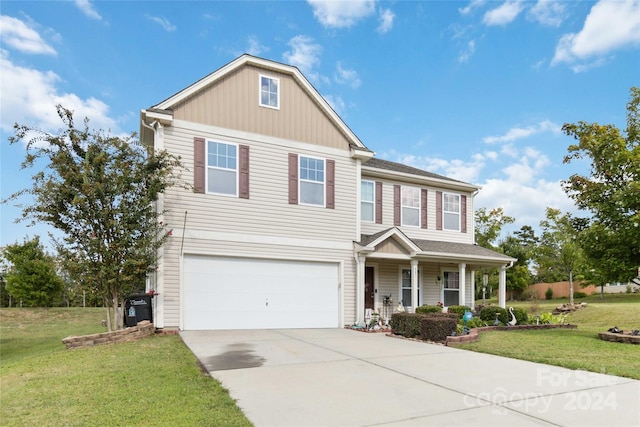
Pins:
<point x="395" y="272"/>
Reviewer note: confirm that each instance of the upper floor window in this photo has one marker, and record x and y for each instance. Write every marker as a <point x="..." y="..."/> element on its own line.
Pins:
<point x="451" y="211"/>
<point x="367" y="201"/>
<point x="269" y="92"/>
<point x="312" y="181"/>
<point x="222" y="168"/>
<point x="411" y="206"/>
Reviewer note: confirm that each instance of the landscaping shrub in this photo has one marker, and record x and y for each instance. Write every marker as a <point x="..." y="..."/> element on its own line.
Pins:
<point x="488" y="314"/>
<point x="429" y="309"/>
<point x="458" y="309"/>
<point x="406" y="324"/>
<point x="549" y="294"/>
<point x="579" y="295"/>
<point x="475" y="322"/>
<point x="437" y="328"/>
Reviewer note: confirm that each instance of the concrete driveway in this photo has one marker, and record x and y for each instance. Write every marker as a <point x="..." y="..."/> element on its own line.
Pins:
<point x="339" y="377"/>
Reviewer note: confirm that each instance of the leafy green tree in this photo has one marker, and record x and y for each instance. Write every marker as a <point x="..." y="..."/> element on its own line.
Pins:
<point x="611" y="193"/>
<point x="559" y="255"/>
<point x="100" y="192"/>
<point x="489" y="226"/>
<point x="32" y="276"/>
<point x="518" y="276"/>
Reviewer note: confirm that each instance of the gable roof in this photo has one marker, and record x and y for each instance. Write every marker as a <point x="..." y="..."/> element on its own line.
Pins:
<point x="246" y="59"/>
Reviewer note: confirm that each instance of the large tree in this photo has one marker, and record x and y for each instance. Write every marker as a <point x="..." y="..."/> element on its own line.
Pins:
<point x="489" y="226"/>
<point x="611" y="192"/>
<point x="559" y="255"/>
<point x="31" y="277"/>
<point x="100" y="192"/>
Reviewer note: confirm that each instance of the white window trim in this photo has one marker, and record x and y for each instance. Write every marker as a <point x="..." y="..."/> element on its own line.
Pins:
<point x="451" y="212"/>
<point x="260" y="76"/>
<point x="419" y="208"/>
<point x="420" y="282"/>
<point x="373" y="201"/>
<point x="324" y="182"/>
<point x="207" y="167"/>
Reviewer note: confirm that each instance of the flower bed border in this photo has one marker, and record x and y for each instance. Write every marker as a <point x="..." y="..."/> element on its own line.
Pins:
<point x="623" y="338"/>
<point x="474" y="332"/>
<point x="142" y="330"/>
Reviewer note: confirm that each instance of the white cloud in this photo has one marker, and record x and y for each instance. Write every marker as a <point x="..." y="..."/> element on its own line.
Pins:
<point x="347" y="76"/>
<point x="466" y="53"/>
<point x="386" y="21"/>
<point x="88" y="9"/>
<point x="168" y="26"/>
<point x="304" y="54"/>
<point x="467" y="171"/>
<point x="341" y="14"/>
<point x="516" y="133"/>
<point x="254" y="46"/>
<point x="29" y="97"/>
<point x="503" y="14"/>
<point x="548" y="12"/>
<point x="18" y="35"/>
<point x="474" y="4"/>
<point x="610" y="25"/>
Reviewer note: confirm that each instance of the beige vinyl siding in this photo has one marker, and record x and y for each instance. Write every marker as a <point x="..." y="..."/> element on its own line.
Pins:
<point x="267" y="211"/>
<point x="232" y="102"/>
<point x="429" y="233"/>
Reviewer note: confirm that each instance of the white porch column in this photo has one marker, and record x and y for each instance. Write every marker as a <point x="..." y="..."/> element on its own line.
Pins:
<point x="473" y="290"/>
<point x="414" y="285"/>
<point x="502" y="287"/>
<point x="360" y="289"/>
<point x="462" y="270"/>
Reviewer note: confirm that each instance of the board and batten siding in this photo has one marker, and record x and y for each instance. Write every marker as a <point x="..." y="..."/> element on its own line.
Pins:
<point x="429" y="233"/>
<point x="232" y="102"/>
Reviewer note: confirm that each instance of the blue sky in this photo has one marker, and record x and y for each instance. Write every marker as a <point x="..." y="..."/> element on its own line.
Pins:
<point x="475" y="90"/>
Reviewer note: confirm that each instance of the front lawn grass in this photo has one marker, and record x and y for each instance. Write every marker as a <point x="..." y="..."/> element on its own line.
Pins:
<point x="154" y="381"/>
<point x="573" y="348"/>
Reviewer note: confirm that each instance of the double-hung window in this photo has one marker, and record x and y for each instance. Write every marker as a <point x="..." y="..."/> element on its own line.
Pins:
<point x="222" y="168"/>
<point x="451" y="289"/>
<point x="367" y="201"/>
<point x="312" y="181"/>
<point x="405" y="288"/>
<point x="451" y="211"/>
<point x="411" y="206"/>
<point x="269" y="92"/>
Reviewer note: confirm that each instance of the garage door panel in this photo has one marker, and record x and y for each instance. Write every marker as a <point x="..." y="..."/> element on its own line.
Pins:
<point x="240" y="293"/>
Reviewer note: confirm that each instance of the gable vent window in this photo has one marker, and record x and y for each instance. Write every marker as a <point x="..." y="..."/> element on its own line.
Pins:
<point x="269" y="92"/>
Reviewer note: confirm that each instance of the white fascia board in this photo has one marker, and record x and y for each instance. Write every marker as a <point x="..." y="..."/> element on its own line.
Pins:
<point x="394" y="232"/>
<point x="361" y="154"/>
<point x="419" y="179"/>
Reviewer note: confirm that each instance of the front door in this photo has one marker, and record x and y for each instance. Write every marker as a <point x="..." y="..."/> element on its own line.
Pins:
<point x="369" y="289"/>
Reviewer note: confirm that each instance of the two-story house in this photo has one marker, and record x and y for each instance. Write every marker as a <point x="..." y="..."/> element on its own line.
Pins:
<point x="290" y="221"/>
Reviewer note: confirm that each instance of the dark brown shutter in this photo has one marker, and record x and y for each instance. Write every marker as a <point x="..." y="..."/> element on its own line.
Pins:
<point x="423" y="208"/>
<point x="293" y="179"/>
<point x="463" y="214"/>
<point x="331" y="184"/>
<point x="378" y="199"/>
<point x="396" y="205"/>
<point x="438" y="210"/>
<point x="199" y="154"/>
<point x="243" y="170"/>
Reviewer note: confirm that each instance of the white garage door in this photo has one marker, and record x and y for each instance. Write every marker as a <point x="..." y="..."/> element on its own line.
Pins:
<point x="241" y="293"/>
